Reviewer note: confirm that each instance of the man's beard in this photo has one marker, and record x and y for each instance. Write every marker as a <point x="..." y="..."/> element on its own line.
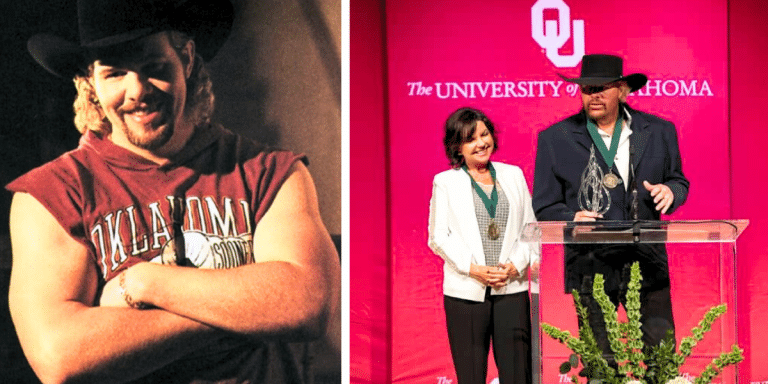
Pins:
<point x="150" y="142"/>
<point x="158" y="136"/>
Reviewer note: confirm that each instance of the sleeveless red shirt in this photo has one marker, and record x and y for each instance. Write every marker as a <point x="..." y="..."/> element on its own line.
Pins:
<point x="126" y="209"/>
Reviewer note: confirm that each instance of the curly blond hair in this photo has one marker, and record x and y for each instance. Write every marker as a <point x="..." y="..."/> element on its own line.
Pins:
<point x="200" y="100"/>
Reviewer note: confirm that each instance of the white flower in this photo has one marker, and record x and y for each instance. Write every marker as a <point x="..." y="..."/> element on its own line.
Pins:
<point x="679" y="380"/>
<point x="635" y="382"/>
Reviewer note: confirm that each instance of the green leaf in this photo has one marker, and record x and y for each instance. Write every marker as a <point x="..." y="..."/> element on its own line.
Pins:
<point x="648" y="364"/>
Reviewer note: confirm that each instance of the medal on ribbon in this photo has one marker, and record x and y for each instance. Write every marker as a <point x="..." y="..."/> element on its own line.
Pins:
<point x="610" y="180"/>
<point x="489" y="202"/>
<point x="493" y="230"/>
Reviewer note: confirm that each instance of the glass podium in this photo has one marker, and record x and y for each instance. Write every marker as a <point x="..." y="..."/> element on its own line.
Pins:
<point x="702" y="268"/>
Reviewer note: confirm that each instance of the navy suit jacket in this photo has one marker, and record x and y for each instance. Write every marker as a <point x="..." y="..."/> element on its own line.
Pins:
<point x="563" y="153"/>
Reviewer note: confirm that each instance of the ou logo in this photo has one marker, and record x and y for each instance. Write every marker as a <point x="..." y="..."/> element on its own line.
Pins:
<point x="552" y="38"/>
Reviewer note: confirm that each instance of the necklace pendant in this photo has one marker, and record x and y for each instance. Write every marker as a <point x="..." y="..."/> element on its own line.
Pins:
<point x="493" y="231"/>
<point x="610" y="180"/>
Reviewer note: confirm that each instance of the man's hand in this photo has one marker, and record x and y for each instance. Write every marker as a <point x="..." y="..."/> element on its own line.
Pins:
<point x="662" y="195"/>
<point x="123" y="287"/>
<point x="587" y="216"/>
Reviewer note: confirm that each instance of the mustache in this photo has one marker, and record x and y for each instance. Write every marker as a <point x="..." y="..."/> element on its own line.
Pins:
<point x="150" y="102"/>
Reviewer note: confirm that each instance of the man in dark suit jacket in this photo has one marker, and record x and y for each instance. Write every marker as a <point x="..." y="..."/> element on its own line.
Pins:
<point x="639" y="162"/>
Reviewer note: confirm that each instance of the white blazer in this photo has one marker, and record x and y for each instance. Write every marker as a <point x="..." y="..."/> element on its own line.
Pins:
<point x="455" y="236"/>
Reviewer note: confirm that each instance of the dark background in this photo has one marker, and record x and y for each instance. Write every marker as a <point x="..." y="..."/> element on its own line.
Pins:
<point x="277" y="80"/>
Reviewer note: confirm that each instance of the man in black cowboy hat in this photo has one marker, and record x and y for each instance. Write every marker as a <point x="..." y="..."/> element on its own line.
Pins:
<point x="639" y="158"/>
<point x="164" y="248"/>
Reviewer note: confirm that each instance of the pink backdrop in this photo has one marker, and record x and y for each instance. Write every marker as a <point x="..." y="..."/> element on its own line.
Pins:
<point x="430" y="58"/>
<point x="748" y="38"/>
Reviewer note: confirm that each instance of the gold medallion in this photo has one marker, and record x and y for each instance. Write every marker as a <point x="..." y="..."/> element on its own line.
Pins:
<point x="610" y="181"/>
<point x="493" y="231"/>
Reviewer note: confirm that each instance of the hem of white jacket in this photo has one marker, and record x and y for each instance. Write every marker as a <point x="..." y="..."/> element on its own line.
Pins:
<point x="478" y="294"/>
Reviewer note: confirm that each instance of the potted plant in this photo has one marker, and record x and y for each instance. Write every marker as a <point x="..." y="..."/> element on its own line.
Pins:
<point x="636" y="365"/>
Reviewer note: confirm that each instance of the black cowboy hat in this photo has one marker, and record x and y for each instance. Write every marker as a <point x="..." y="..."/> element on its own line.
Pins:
<point x="106" y="23"/>
<point x="604" y="69"/>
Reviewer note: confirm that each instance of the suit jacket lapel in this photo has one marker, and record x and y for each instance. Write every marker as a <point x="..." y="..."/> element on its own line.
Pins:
<point x="579" y="131"/>
<point x="639" y="138"/>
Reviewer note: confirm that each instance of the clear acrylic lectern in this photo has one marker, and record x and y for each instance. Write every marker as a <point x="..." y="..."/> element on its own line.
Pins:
<point x="702" y="268"/>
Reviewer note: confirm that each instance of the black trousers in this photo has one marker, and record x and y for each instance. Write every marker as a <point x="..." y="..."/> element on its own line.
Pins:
<point x="655" y="316"/>
<point x="502" y="319"/>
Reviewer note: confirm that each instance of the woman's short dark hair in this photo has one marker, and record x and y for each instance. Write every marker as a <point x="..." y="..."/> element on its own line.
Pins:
<point x="459" y="129"/>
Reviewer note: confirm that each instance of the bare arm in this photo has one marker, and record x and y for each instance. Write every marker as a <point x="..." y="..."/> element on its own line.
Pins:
<point x="291" y="291"/>
<point x="63" y="334"/>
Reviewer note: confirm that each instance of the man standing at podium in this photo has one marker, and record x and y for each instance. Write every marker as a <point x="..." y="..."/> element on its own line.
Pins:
<point x="637" y="157"/>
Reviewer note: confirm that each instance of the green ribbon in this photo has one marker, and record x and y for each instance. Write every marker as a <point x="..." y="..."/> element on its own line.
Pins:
<point x="490" y="203"/>
<point x="608" y="154"/>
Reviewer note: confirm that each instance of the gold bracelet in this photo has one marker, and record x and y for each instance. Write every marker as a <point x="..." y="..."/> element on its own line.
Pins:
<point x="127" y="297"/>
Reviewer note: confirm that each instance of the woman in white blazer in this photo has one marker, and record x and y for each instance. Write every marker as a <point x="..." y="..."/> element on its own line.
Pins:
<point x="476" y="216"/>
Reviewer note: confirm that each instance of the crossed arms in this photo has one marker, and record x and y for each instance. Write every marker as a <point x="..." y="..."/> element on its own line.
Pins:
<point x="71" y="332"/>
